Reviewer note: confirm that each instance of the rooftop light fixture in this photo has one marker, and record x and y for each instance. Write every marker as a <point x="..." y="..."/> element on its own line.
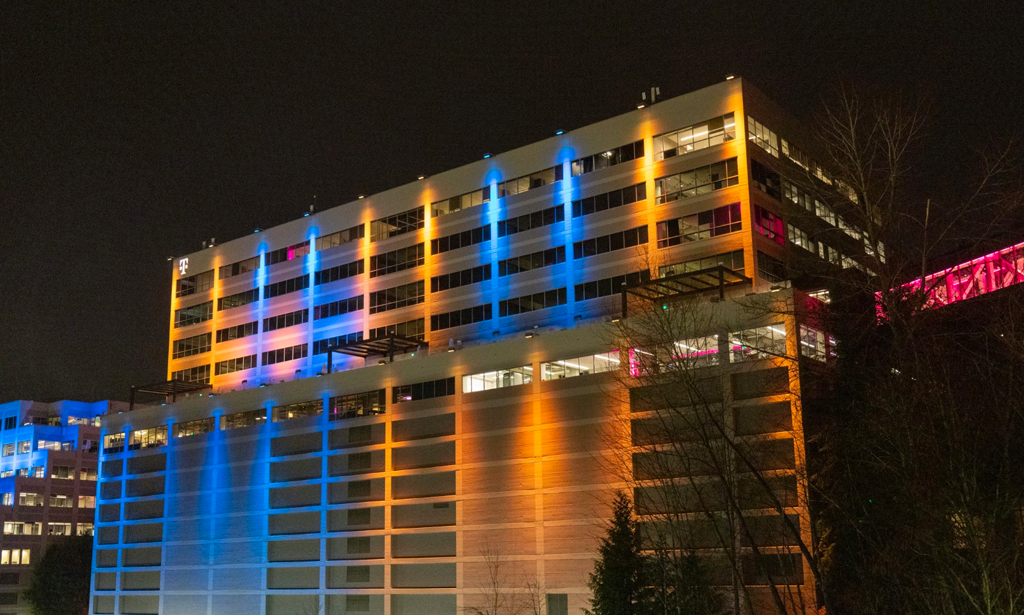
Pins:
<point x="559" y="132"/>
<point x="362" y="196"/>
<point x="730" y="77"/>
<point x="486" y="156"/>
<point x="421" y="177"/>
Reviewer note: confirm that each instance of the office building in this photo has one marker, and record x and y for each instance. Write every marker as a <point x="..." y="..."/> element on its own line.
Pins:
<point x="382" y="392"/>
<point x="48" y="457"/>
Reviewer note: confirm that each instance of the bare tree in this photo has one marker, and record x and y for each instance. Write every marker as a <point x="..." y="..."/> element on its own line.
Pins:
<point x="500" y="591"/>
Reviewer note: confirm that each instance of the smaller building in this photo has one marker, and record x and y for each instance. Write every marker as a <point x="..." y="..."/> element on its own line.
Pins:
<point x="48" y="457"/>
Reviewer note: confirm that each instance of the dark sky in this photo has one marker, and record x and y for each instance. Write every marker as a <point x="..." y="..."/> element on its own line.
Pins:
<point x="130" y="132"/>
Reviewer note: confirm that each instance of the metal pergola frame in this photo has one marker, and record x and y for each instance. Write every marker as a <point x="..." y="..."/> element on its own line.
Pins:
<point x="167" y="388"/>
<point x="717" y="278"/>
<point x="386" y="346"/>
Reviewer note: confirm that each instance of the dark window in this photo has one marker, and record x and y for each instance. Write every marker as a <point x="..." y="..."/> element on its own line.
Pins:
<point x="701" y="225"/>
<point x="460" y="240"/>
<point x="8" y="578"/>
<point x="612" y="157"/>
<point x="460" y="278"/>
<point x="340" y="272"/>
<point x="198" y="283"/>
<point x="397" y="297"/>
<point x="412" y="329"/>
<point x="766" y="180"/>
<point x="457" y="318"/>
<point x="529" y="262"/>
<point x="336" y="308"/>
<point x="527" y="182"/>
<point x="236" y="365"/>
<point x="237" y="332"/>
<point x="609" y="200"/>
<point x="729" y="260"/>
<point x="190" y="346"/>
<point x="321" y="346"/>
<point x="11" y="422"/>
<point x="463" y="201"/>
<point x="609" y="286"/>
<point x="357" y="404"/>
<point x="340" y="238"/>
<point x="423" y="390"/>
<point x="770" y="268"/>
<point x="285" y="354"/>
<point x="285" y="286"/>
<point x="530" y="303"/>
<point x="194" y="314"/>
<point x="396" y="260"/>
<point x="238" y="299"/>
<point x="199" y="374"/>
<point x="537" y="219"/>
<point x="286" y="254"/>
<point x="398" y="224"/>
<point x="610" y="243"/>
<point x="282" y="321"/>
<point x="244" y="266"/>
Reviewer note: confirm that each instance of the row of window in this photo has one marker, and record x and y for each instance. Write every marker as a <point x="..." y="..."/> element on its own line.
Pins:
<point x="529" y="262"/>
<point x="698" y="181"/>
<point x="397" y="224"/>
<point x="281" y="355"/>
<point x="189" y="346"/>
<point x="457" y="279"/>
<point x="198" y="283"/>
<point x="460" y="240"/>
<point x="610" y="243"/>
<point x="530" y="303"/>
<point x="397" y="297"/>
<point x="396" y="260"/>
<point x="286" y="286"/>
<point x="235" y="365"/>
<point x="730" y="260"/>
<point x="609" y="286"/>
<point x="609" y="158"/>
<point x="282" y="255"/>
<point x="526" y="222"/>
<point x="321" y="346"/>
<point x="340" y="272"/>
<point x="697" y="137"/>
<point x="699" y="226"/>
<point x="337" y="308"/>
<point x="456" y="318"/>
<point x="609" y="200"/>
<point x="282" y="321"/>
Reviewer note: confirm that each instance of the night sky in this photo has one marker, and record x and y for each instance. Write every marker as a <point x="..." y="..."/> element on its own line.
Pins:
<point x="130" y="132"/>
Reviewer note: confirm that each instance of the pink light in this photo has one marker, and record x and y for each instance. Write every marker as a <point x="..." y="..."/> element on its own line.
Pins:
<point x="994" y="271"/>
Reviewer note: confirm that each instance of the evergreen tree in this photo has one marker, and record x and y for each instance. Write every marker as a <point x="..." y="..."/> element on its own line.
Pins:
<point x="60" y="581"/>
<point x="619" y="582"/>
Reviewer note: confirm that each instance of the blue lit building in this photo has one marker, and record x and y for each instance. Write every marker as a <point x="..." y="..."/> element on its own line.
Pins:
<point x="390" y="397"/>
<point x="48" y="463"/>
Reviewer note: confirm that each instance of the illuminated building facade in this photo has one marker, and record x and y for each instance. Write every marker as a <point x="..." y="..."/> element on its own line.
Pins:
<point x="48" y="462"/>
<point x="379" y="486"/>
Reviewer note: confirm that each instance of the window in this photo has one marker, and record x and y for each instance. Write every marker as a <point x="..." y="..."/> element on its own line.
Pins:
<point x="537" y="219"/>
<point x="357" y="574"/>
<point x="758" y="343"/>
<point x="199" y="374"/>
<point x="558" y="604"/>
<point x="797" y="237"/>
<point x="458" y="203"/>
<point x="281" y="355"/>
<point x="87" y="501"/>
<point x="43" y="445"/>
<point x="63" y="472"/>
<point x="15" y="557"/>
<point x="297" y="411"/>
<point x="824" y="212"/>
<point x="348" y="270"/>
<point x="238" y="299"/>
<point x="849" y="229"/>
<point x="25" y="446"/>
<point x="762" y="136"/>
<point x="580" y="366"/>
<point x="198" y="283"/>
<point x="286" y="254"/>
<point x="397" y="297"/>
<point x="460" y="278"/>
<point x="766" y="180"/>
<point x="455" y="241"/>
<point x="612" y="157"/>
<point x="790" y="151"/>
<point x="87" y="474"/>
<point x="243" y="419"/>
<point x="337" y="308"/>
<point x="610" y="243"/>
<point x="340" y="238"/>
<point x="194" y="428"/>
<point x="61" y="501"/>
<point x="398" y="224"/>
<point x="197" y="344"/>
<point x="699" y="226"/>
<point x="729" y="260"/>
<point x="8" y="578"/>
<point x="9" y="449"/>
<point x="357" y="404"/>
<point x="194" y="314"/>
<point x="423" y="390"/>
<point x="697" y="137"/>
<point x="461" y="317"/>
<point x="396" y="260"/>
<point x="147" y="438"/>
<point x="796" y="195"/>
<point x="58" y="529"/>
<point x="526" y="182"/>
<point x="11" y="422"/>
<point x="355" y="603"/>
<point x="530" y="303"/>
<point x="8" y="499"/>
<point x="31" y="499"/>
<point x="236" y="365"/>
<point x="286" y="286"/>
<point x="113" y="443"/>
<point x="282" y="321"/>
<point x="237" y="332"/>
<point x="529" y="262"/>
<point x="16" y="528"/>
<point x="243" y="266"/>
<point x="692" y="353"/>
<point x="412" y="329"/>
<point x="609" y="200"/>
<point x="769" y="225"/>
<point x="695" y="182"/>
<point x="812" y="343"/>
<point x="771" y="269"/>
<point x="321" y="346"/>
<point x="486" y="381"/>
<point x="609" y="286"/>
<point x="85" y="529"/>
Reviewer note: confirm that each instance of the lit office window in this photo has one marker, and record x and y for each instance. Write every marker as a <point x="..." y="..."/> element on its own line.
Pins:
<point x="398" y="224"/>
<point x="113" y="443"/>
<point x="423" y="390"/>
<point x="297" y="411"/>
<point x="147" y="438"/>
<point x="526" y="182"/>
<point x="812" y="343"/>
<point x="194" y="428"/>
<point x="243" y="419"/>
<point x="580" y="366"/>
<point x="514" y="376"/>
<point x="458" y="203"/>
<point x="758" y="343"/>
<point x="762" y="136"/>
<point x="357" y="404"/>
<point x="15" y="557"/>
<point x="697" y="137"/>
